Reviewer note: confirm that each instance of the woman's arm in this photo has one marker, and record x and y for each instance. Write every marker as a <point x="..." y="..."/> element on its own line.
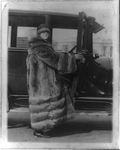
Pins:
<point x="62" y="62"/>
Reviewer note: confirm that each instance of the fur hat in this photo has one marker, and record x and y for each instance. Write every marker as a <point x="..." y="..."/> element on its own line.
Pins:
<point x="42" y="28"/>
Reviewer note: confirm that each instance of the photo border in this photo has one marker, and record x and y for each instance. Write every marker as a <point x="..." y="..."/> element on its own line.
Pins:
<point x="116" y="87"/>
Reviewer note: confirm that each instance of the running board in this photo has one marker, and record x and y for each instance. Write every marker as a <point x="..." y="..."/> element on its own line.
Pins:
<point x="94" y="99"/>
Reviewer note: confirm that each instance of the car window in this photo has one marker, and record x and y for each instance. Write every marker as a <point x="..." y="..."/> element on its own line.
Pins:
<point x="9" y="36"/>
<point x="23" y="35"/>
<point x="63" y="40"/>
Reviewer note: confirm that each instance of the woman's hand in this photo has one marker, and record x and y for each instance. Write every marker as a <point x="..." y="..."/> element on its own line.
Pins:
<point x="80" y="57"/>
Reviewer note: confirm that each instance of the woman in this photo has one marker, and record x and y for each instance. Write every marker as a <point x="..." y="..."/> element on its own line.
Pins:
<point x="50" y="102"/>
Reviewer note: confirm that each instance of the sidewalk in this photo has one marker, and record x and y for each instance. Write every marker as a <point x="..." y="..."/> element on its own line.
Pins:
<point x="85" y="127"/>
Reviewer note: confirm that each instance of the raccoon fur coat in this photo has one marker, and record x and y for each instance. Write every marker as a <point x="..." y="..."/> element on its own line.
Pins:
<point x="50" y="102"/>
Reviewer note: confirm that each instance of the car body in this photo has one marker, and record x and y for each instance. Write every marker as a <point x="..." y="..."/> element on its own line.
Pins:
<point x="94" y="78"/>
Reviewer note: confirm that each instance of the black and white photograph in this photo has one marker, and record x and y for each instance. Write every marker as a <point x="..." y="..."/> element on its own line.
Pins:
<point x="60" y="74"/>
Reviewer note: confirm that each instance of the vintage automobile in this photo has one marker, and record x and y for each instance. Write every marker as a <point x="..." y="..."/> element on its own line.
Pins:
<point x="91" y="84"/>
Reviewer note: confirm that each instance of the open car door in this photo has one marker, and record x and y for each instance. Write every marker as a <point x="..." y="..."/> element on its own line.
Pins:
<point x="86" y="27"/>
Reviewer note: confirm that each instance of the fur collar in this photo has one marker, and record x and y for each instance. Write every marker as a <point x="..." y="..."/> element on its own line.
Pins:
<point x="40" y="42"/>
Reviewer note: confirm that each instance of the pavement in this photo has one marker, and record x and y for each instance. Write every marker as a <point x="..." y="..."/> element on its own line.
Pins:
<point x="86" y="127"/>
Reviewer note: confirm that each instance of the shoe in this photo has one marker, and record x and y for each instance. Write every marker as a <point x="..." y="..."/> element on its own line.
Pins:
<point x="41" y="134"/>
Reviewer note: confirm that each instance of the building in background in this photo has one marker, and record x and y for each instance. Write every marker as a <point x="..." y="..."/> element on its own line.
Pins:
<point x="103" y="47"/>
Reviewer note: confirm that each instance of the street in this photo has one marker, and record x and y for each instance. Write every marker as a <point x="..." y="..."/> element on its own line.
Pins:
<point x="86" y="127"/>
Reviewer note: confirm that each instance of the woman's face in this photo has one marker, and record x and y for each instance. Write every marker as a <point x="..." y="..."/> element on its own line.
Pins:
<point x="44" y="35"/>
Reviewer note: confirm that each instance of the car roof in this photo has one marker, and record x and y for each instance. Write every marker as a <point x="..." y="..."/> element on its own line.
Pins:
<point x="58" y="20"/>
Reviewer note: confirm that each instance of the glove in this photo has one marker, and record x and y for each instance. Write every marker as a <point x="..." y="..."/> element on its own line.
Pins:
<point x="80" y="56"/>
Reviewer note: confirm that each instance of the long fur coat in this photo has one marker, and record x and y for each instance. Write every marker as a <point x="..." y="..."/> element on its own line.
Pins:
<point x="50" y="102"/>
